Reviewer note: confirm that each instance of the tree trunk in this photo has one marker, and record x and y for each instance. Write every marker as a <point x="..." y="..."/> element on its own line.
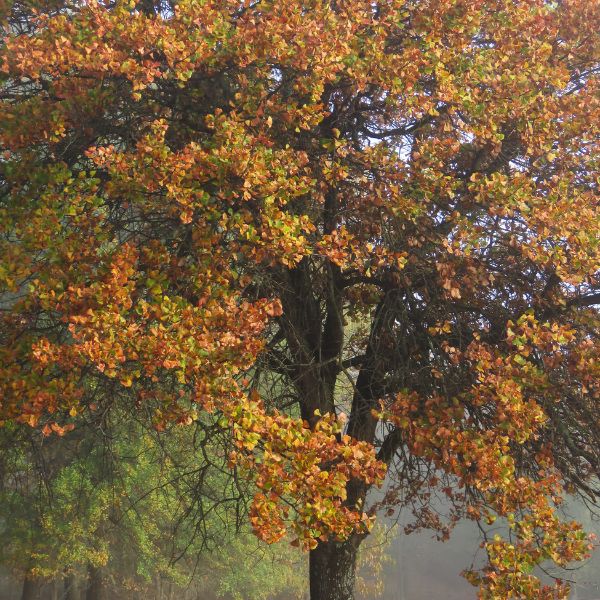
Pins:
<point x="94" y="588"/>
<point x="31" y="589"/>
<point x="158" y="587"/>
<point x="54" y="593"/>
<point x="332" y="570"/>
<point x="71" y="591"/>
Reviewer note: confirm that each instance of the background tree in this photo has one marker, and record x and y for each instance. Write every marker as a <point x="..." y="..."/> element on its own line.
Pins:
<point x="395" y="202"/>
<point x="125" y="512"/>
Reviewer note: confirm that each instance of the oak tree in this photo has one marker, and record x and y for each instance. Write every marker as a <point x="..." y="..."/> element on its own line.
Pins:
<point x="364" y="234"/>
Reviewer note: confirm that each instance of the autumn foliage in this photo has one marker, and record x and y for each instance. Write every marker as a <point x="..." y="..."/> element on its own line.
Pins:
<point x="283" y="213"/>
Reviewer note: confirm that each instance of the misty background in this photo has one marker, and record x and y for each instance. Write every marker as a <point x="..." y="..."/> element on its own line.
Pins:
<point x="415" y="567"/>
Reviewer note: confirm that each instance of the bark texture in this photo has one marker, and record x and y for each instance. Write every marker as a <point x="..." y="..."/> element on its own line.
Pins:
<point x="333" y="570"/>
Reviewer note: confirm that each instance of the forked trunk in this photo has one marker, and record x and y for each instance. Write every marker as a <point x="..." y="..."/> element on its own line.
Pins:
<point x="332" y="570"/>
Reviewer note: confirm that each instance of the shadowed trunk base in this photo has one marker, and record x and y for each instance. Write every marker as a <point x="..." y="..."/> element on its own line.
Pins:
<point x="333" y="569"/>
<point x="95" y="587"/>
<point x="31" y="589"/>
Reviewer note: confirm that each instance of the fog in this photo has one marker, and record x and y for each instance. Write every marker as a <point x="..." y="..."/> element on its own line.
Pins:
<point x="426" y="569"/>
<point x="418" y="567"/>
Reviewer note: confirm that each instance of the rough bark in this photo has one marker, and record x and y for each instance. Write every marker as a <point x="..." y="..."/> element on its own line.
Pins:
<point x="332" y="570"/>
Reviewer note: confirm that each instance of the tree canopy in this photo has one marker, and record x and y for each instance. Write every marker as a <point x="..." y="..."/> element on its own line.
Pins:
<point x="363" y="235"/>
